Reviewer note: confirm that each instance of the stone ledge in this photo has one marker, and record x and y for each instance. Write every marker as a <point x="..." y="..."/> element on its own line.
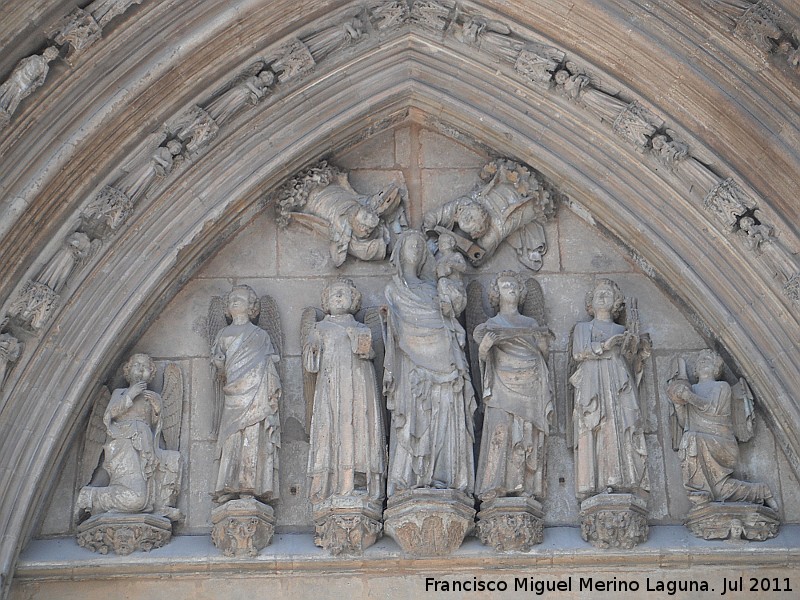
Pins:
<point x="192" y="556"/>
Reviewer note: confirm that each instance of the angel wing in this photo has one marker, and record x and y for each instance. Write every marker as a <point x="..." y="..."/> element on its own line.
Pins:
<point x="269" y="319"/>
<point x="95" y="437"/>
<point x="743" y="410"/>
<point x="308" y="319"/>
<point x="534" y="302"/>
<point x="477" y="312"/>
<point x="677" y="413"/>
<point x="372" y="318"/>
<point x="172" y="399"/>
<point x="215" y="323"/>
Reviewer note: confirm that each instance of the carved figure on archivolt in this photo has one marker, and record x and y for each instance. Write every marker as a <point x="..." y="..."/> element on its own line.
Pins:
<point x="28" y="76"/>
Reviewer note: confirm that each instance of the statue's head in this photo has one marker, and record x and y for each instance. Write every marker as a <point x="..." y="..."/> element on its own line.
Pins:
<point x="473" y="219"/>
<point x="78" y="243"/>
<point x="605" y="294"/>
<point x="708" y="363"/>
<point x="363" y="222"/>
<point x="411" y="249"/>
<point x="50" y="53"/>
<point x="507" y="284"/>
<point x="341" y="296"/>
<point x="140" y="367"/>
<point x="242" y="299"/>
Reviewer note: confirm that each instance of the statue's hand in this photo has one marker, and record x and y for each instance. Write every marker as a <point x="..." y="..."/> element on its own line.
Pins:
<point x="614" y="340"/>
<point x="486" y="343"/>
<point x="136" y="389"/>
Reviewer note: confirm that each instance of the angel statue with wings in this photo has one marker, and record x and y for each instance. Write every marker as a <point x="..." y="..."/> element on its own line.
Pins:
<point x="244" y="357"/>
<point x="713" y="415"/>
<point x="517" y="396"/>
<point x="348" y="448"/>
<point x="137" y="432"/>
<point x="610" y="451"/>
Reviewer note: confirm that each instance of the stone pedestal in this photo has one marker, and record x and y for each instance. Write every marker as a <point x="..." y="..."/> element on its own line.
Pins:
<point x="614" y="520"/>
<point x="242" y="527"/>
<point x="733" y="520"/>
<point x="347" y="525"/>
<point x="124" y="533"/>
<point x="511" y="524"/>
<point x="429" y="522"/>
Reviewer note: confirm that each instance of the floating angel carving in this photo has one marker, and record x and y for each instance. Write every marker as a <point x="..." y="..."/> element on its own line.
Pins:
<point x="348" y="444"/>
<point x="511" y="205"/>
<point x="606" y="364"/>
<point x="322" y="199"/>
<point x="244" y="358"/>
<point x="136" y="431"/>
<point x="511" y="349"/>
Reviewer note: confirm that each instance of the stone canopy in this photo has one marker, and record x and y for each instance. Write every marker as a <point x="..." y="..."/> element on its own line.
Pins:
<point x="668" y="127"/>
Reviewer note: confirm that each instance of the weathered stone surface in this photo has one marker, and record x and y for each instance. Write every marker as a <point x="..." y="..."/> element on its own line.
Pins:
<point x="242" y="527"/>
<point x="429" y="522"/>
<point x="347" y="524"/>
<point x="124" y="533"/>
<point x="614" y="520"/>
<point x="511" y="524"/>
<point x="734" y="521"/>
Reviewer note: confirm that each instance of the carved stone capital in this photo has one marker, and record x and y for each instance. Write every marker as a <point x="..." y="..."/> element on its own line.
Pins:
<point x="195" y="129"/>
<point x="295" y="60"/>
<point x="728" y="201"/>
<point x="106" y="213"/>
<point x="637" y="125"/>
<point x="511" y="524"/>
<point x="78" y="30"/>
<point x="429" y="522"/>
<point x="347" y="525"/>
<point x="123" y="533"/>
<point x="614" y="520"/>
<point x="734" y="521"/>
<point x="34" y="305"/>
<point x="242" y="527"/>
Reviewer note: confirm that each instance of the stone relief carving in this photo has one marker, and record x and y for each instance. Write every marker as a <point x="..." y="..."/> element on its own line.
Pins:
<point x="431" y="14"/>
<point x="294" y="59"/>
<point x="429" y="394"/>
<point x="388" y="15"/>
<point x="10" y="350"/>
<point x="248" y="91"/>
<point x="244" y="358"/>
<point x="194" y="129"/>
<point x="137" y="478"/>
<point x="762" y="23"/>
<point x="518" y="408"/>
<point x="728" y="202"/>
<point x="77" y="31"/>
<point x="322" y="199"/>
<point x="511" y="205"/>
<point x="39" y="298"/>
<point x="610" y="450"/>
<point x="713" y="417"/>
<point x="26" y="78"/>
<point x="347" y="456"/>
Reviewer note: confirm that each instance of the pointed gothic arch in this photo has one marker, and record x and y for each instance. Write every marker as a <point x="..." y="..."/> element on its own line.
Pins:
<point x="84" y="125"/>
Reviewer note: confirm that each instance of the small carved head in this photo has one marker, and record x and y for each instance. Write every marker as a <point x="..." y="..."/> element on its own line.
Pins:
<point x="507" y="282"/>
<point x="605" y="285"/>
<point x="363" y="222"/>
<point x="140" y="367"/>
<point x="50" y="53"/>
<point x="709" y="362"/>
<point x="341" y="296"/>
<point x="78" y="243"/>
<point x="245" y="295"/>
<point x="473" y="219"/>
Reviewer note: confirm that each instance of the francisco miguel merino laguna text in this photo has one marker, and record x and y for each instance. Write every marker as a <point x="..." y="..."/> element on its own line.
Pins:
<point x="539" y="587"/>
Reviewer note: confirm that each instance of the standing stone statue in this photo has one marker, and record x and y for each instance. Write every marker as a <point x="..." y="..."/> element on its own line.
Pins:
<point x="709" y="451"/>
<point x="518" y="406"/>
<point x="430" y="396"/>
<point x="131" y="497"/>
<point x="28" y="76"/>
<point x="610" y="451"/>
<point x="245" y="361"/>
<point x="347" y="457"/>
